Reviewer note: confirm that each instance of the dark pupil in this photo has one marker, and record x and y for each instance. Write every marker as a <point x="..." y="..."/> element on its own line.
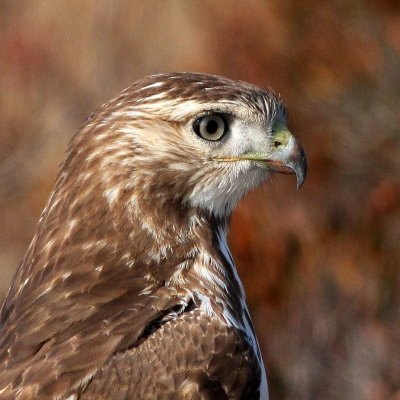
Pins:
<point x="212" y="126"/>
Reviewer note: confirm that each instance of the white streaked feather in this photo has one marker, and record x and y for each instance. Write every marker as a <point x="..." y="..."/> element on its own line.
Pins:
<point x="205" y="305"/>
<point x="153" y="85"/>
<point x="111" y="195"/>
<point x="245" y="322"/>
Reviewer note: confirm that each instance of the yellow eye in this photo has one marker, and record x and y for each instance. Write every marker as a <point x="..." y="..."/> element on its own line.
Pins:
<point x="210" y="127"/>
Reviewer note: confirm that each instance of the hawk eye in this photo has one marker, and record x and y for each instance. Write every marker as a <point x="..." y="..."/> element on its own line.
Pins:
<point x="210" y="127"/>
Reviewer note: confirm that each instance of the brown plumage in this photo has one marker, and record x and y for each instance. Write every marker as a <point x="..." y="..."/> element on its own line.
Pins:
<point x="128" y="290"/>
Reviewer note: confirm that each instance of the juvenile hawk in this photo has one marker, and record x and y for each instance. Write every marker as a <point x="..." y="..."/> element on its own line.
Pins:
<point x="128" y="289"/>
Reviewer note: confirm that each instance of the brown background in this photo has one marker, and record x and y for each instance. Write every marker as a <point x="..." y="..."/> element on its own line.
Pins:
<point x="321" y="266"/>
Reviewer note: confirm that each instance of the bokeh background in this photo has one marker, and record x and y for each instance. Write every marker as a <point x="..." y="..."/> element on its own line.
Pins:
<point x="320" y="265"/>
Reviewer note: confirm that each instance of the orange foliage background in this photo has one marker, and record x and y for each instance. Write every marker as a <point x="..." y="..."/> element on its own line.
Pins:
<point x="320" y="266"/>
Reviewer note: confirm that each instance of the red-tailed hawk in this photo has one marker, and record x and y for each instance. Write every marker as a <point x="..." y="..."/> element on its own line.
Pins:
<point x="128" y="289"/>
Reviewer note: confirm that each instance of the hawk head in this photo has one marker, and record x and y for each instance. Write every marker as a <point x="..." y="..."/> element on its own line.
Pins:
<point x="134" y="232"/>
<point x="191" y="139"/>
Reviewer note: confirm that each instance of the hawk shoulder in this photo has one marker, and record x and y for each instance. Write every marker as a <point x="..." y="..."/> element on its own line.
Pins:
<point x="192" y="357"/>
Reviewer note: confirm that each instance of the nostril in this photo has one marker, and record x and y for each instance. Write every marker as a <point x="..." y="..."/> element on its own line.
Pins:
<point x="277" y="143"/>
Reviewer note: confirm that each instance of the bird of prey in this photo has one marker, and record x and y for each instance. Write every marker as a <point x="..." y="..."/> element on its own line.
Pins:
<point x="128" y="289"/>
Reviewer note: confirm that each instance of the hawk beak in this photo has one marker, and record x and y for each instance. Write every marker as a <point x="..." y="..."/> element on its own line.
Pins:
<point x="286" y="157"/>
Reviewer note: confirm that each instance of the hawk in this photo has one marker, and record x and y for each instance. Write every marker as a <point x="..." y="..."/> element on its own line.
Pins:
<point x="128" y="289"/>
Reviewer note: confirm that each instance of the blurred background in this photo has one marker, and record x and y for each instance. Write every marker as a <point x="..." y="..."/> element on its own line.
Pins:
<point x="320" y="265"/>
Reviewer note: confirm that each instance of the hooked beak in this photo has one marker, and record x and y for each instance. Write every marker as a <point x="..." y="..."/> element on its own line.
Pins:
<point x="290" y="160"/>
<point x="286" y="157"/>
